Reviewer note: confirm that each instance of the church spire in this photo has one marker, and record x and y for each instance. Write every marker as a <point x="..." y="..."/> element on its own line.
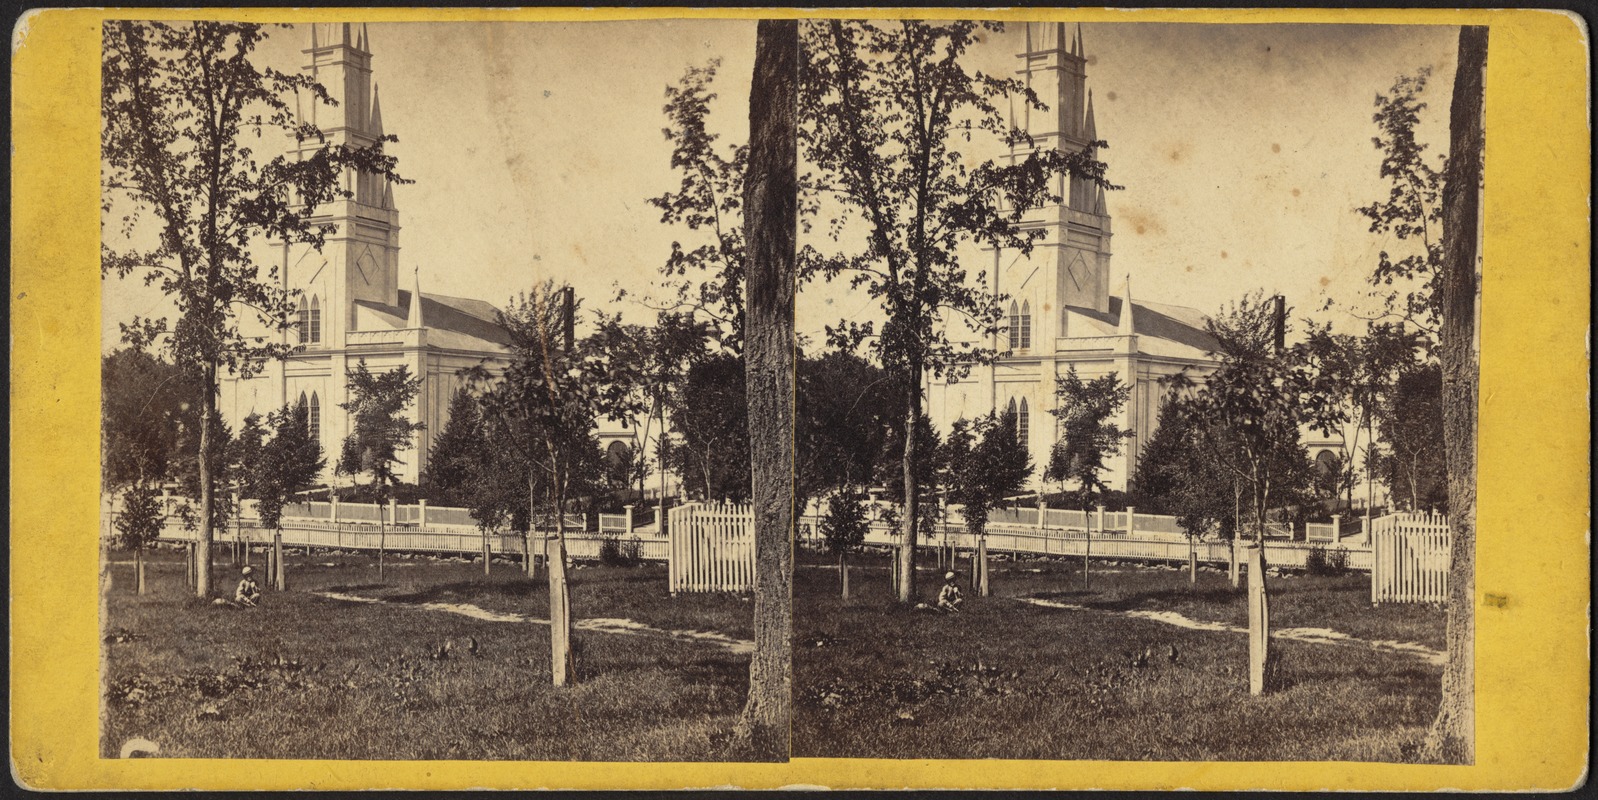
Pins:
<point x="1126" y="327"/>
<point x="414" y="318"/>
<point x="376" y="120"/>
<point x="1090" y="130"/>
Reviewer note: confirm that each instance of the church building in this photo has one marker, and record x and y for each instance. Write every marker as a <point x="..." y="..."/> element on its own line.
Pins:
<point x="352" y="307"/>
<point x="1065" y="307"/>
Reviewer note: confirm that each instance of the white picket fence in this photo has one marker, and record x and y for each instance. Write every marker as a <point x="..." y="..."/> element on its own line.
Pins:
<point x="711" y="548"/>
<point x="1411" y="554"/>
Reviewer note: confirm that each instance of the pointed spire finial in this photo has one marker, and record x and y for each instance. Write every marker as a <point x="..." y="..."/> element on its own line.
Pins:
<point x="1081" y="51"/>
<point x="1126" y="327"/>
<point x="376" y="117"/>
<point x="414" y="318"/>
<point x="1089" y="127"/>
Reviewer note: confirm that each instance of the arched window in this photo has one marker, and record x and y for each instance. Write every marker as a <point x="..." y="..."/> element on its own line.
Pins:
<point x="1015" y="325"/>
<point x="1026" y="324"/>
<point x="1022" y="423"/>
<point x="316" y="321"/>
<point x="313" y="418"/>
<point x="302" y="323"/>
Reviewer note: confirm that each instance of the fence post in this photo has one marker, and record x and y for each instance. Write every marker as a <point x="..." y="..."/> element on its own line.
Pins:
<point x="628" y="510"/>
<point x="333" y="502"/>
<point x="1337" y="529"/>
<point x="393" y="512"/>
<point x="421" y="513"/>
<point x="1043" y="510"/>
<point x="1101" y="520"/>
<point x="1131" y="529"/>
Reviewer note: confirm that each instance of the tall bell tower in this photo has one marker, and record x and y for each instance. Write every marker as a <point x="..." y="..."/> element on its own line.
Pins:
<point x="1074" y="256"/>
<point x="360" y="258"/>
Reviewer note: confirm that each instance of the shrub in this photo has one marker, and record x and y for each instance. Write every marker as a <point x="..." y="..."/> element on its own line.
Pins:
<point x="1326" y="561"/>
<point x="613" y="552"/>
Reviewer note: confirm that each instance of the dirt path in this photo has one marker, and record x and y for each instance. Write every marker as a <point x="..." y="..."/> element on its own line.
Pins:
<point x="1310" y="635"/>
<point x="624" y="627"/>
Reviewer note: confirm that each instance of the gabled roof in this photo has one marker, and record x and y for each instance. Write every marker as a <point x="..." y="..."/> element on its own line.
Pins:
<point x="1179" y="324"/>
<point x="465" y="318"/>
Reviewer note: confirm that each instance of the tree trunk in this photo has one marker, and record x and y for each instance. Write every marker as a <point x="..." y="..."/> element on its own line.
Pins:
<point x="1192" y="562"/>
<point x="1259" y="624"/>
<point x="982" y="567"/>
<point x="138" y="570"/>
<point x="1087" y="548"/>
<point x="487" y="552"/>
<point x="843" y="575"/>
<point x="1452" y="735"/>
<point x="560" y="619"/>
<point x="279" y="573"/>
<point x="770" y="223"/>
<point x="907" y="526"/>
<point x="529" y="565"/>
<point x="208" y="443"/>
<point x="382" y="543"/>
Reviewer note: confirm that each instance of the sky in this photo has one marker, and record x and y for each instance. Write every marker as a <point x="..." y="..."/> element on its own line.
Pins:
<point x="534" y="147"/>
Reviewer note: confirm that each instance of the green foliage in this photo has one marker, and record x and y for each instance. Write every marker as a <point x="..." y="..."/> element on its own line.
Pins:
<point x="1413" y="210"/>
<point x="139" y="524"/>
<point x="452" y="463"/>
<point x="180" y="103"/>
<point x="1411" y="423"/>
<point x="540" y="413"/>
<point x="1087" y="436"/>
<point x="380" y="431"/>
<point x="1176" y="473"/>
<point x="708" y="202"/>
<point x="712" y="424"/>
<point x="1326" y="561"/>
<point x="615" y="552"/>
<point x="884" y="108"/>
<point x="929" y="464"/>
<point x="1251" y="409"/>
<point x="844" y="411"/>
<point x="187" y="470"/>
<point x="1358" y="374"/>
<point x="986" y="463"/>
<point x="147" y="404"/>
<point x="289" y="463"/>
<point x="643" y="373"/>
<point x="845" y="525"/>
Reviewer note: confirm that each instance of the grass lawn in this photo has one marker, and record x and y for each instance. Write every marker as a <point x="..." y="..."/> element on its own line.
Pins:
<point x="1007" y="679"/>
<point x="305" y="676"/>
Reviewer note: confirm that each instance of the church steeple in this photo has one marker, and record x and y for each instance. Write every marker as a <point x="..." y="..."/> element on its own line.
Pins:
<point x="359" y="261"/>
<point x="1054" y="66"/>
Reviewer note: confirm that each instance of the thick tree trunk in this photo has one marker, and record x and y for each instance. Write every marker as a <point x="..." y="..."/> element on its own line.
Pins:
<point x="208" y="443"/>
<point x="1452" y="735"/>
<point x="770" y="222"/>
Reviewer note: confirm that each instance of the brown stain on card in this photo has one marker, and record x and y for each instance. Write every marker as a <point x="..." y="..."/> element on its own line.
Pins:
<point x="1495" y="600"/>
<point x="1142" y="222"/>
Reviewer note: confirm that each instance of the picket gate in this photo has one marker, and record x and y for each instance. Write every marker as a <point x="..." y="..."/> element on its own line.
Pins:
<point x="711" y="548"/>
<point x="1410" y="555"/>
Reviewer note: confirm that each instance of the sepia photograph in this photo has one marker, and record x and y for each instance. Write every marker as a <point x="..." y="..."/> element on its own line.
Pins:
<point x="1166" y="309"/>
<point x="424" y="395"/>
<point x="736" y="390"/>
